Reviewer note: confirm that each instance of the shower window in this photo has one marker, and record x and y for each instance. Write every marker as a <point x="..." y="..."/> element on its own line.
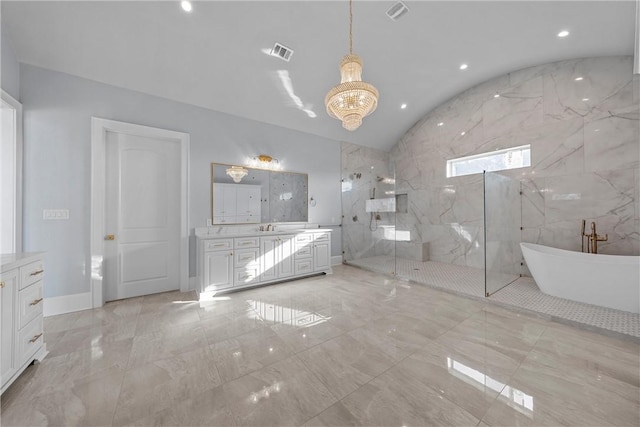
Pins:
<point x="508" y="158"/>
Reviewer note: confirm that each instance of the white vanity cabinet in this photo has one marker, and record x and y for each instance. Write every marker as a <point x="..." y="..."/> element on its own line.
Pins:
<point x="217" y="264"/>
<point x="276" y="257"/>
<point x="228" y="261"/>
<point x="21" y="327"/>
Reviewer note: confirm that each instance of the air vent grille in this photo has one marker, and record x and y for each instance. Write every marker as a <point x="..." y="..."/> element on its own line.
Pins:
<point x="282" y="52"/>
<point x="396" y="11"/>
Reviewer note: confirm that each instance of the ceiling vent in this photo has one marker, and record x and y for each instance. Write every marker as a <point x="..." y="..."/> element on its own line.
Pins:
<point x="396" y="11"/>
<point x="282" y="52"/>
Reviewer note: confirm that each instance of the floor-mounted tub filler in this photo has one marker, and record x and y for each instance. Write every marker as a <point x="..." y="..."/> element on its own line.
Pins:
<point x="611" y="281"/>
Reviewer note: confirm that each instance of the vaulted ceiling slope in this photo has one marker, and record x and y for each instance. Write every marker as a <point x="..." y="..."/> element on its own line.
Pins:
<point x="216" y="56"/>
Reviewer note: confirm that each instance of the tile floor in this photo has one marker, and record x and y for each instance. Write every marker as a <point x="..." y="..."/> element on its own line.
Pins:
<point x="352" y="348"/>
<point x="517" y="292"/>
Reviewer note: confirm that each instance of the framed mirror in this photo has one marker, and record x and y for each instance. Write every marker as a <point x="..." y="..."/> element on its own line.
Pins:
<point x="257" y="195"/>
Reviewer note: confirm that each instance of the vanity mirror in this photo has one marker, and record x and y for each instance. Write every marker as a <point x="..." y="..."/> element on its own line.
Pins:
<point x="258" y="196"/>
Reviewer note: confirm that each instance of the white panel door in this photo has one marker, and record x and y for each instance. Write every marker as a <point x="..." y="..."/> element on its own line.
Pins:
<point x="268" y="258"/>
<point x="143" y="215"/>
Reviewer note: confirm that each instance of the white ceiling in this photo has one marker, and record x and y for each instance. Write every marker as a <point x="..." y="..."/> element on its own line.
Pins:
<point x="213" y="57"/>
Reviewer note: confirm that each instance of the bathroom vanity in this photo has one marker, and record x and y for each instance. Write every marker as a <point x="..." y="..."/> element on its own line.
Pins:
<point x="21" y="327"/>
<point x="231" y="259"/>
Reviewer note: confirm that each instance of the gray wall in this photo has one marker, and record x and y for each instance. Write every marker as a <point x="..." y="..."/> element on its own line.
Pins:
<point x="9" y="67"/>
<point x="57" y="139"/>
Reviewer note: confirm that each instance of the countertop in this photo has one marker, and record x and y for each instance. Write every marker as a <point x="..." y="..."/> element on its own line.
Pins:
<point x="11" y="261"/>
<point x="215" y="234"/>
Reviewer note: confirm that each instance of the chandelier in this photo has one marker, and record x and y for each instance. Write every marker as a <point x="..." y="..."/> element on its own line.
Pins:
<point x="237" y="173"/>
<point x="352" y="99"/>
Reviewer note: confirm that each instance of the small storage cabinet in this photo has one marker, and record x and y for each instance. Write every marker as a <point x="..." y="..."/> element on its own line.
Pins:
<point x="217" y="262"/>
<point x="21" y="301"/>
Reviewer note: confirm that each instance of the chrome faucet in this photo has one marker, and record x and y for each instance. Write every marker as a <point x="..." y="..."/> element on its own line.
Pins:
<point x="592" y="239"/>
<point x="269" y="227"/>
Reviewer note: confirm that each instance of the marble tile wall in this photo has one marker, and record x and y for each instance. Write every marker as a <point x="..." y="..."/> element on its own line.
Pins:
<point x="581" y="118"/>
<point x="287" y="197"/>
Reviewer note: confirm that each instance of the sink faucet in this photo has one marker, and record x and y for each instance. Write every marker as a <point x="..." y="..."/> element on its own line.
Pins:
<point x="592" y="239"/>
<point x="269" y="227"/>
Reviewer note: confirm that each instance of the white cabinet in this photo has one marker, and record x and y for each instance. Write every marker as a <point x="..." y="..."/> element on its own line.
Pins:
<point x="237" y="262"/>
<point x="236" y="203"/>
<point x="321" y="252"/>
<point x="8" y="291"/>
<point x="276" y="257"/>
<point x="21" y="325"/>
<point x="217" y="264"/>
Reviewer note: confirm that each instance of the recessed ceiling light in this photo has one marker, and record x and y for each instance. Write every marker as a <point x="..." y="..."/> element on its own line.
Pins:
<point x="579" y="78"/>
<point x="563" y="33"/>
<point x="497" y="95"/>
<point x="403" y="106"/>
<point x="462" y="133"/>
<point x="464" y="66"/>
<point x="585" y="99"/>
<point x="186" y="6"/>
<point x="440" y="124"/>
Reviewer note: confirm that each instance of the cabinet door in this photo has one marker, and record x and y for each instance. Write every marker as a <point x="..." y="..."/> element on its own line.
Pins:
<point x="268" y="258"/>
<point x="218" y="200"/>
<point x="322" y="256"/>
<point x="286" y="256"/>
<point x="218" y="270"/>
<point x="8" y="290"/>
<point x="229" y="201"/>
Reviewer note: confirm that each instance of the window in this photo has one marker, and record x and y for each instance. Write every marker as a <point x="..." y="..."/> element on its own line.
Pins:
<point x="509" y="158"/>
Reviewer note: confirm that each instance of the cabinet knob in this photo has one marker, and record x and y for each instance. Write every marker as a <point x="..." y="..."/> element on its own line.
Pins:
<point x="110" y="237"/>
<point x="2" y="284"/>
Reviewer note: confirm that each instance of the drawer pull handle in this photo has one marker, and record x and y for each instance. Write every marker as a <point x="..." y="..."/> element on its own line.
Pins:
<point x="35" y="338"/>
<point x="246" y="276"/>
<point x="245" y="243"/>
<point x="219" y="245"/>
<point x="36" y="301"/>
<point x="2" y="284"/>
<point x="35" y="273"/>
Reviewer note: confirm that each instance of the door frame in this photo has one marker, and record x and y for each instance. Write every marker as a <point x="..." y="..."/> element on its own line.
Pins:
<point x="17" y="164"/>
<point x="99" y="129"/>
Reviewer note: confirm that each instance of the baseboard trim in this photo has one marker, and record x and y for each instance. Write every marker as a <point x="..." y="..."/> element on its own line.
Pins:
<point x="67" y="304"/>
<point x="336" y="260"/>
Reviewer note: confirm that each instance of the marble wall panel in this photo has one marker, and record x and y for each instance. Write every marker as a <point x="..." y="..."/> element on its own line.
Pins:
<point x="613" y="141"/>
<point x="576" y="172"/>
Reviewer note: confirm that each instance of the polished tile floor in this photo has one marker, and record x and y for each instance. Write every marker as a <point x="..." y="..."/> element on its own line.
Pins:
<point x="352" y="348"/>
<point x="521" y="293"/>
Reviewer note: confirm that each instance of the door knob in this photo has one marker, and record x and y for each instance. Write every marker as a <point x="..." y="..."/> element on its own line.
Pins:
<point x="110" y="237"/>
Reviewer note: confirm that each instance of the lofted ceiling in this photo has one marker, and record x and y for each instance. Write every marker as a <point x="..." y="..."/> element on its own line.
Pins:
<point x="216" y="56"/>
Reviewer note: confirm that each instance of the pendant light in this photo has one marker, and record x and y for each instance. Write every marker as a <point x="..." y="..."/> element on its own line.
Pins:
<point x="237" y="173"/>
<point x="352" y="99"/>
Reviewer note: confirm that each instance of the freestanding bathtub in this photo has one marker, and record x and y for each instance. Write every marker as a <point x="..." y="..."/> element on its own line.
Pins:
<point x="611" y="281"/>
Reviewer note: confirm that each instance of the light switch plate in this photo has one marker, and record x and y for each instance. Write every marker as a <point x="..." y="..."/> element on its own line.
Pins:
<point x="55" y="214"/>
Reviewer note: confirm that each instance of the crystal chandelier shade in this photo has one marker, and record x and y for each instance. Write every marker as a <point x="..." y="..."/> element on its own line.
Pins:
<point x="352" y="99"/>
<point x="237" y="173"/>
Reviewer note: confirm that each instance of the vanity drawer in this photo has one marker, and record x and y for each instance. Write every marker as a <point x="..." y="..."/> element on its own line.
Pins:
<point x="304" y="251"/>
<point x="31" y="273"/>
<point x="246" y="275"/>
<point x="304" y="266"/>
<point x="320" y="237"/>
<point x="29" y="340"/>
<point x="246" y="242"/>
<point x="304" y="238"/>
<point x="218" y="245"/>
<point x="244" y="257"/>
<point x="29" y="304"/>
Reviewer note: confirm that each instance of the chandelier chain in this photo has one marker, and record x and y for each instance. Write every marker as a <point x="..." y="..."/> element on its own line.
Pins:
<point x="351" y="26"/>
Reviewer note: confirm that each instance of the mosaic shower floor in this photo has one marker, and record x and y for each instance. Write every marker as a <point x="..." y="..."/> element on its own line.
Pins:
<point x="523" y="293"/>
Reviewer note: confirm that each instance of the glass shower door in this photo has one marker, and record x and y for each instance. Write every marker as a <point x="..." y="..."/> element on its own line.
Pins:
<point x="502" y="222"/>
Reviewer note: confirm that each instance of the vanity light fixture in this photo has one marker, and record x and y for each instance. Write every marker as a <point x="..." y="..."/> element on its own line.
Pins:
<point x="352" y="99"/>
<point x="237" y="173"/>
<point x="264" y="161"/>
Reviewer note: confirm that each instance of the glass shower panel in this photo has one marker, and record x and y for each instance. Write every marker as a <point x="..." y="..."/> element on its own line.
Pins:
<point x="368" y="208"/>
<point x="502" y="221"/>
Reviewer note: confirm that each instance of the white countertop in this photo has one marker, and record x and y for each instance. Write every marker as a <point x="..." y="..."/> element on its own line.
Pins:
<point x="11" y="261"/>
<point x="216" y="233"/>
